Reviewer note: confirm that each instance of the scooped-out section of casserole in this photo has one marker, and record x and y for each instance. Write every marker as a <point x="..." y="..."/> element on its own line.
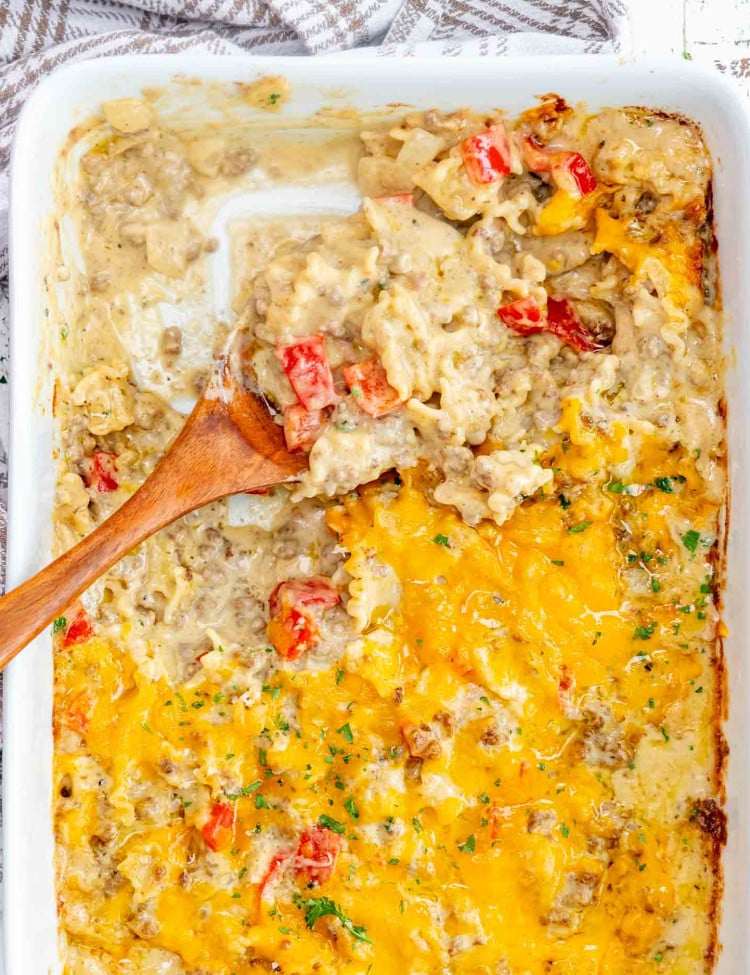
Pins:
<point x="451" y="703"/>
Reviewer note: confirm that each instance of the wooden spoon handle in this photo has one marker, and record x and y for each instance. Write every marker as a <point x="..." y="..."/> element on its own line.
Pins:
<point x="209" y="460"/>
<point x="25" y="611"/>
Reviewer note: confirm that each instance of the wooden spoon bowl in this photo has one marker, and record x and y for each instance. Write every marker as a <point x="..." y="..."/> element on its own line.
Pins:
<point x="229" y="444"/>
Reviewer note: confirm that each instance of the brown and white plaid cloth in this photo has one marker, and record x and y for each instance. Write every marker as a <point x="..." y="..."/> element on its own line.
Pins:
<point x="36" y="36"/>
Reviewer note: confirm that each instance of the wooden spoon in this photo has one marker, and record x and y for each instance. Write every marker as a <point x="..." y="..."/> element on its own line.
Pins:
<point x="229" y="444"/>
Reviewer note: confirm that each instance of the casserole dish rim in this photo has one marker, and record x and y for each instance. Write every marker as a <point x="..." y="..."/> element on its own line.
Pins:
<point x="58" y="104"/>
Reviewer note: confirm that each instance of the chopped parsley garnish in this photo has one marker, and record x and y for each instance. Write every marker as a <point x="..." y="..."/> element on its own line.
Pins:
<point x="260" y="801"/>
<point x="351" y="807"/>
<point x="617" y="487"/>
<point x="59" y="624"/>
<point x="565" y="831"/>
<point x="557" y="562"/>
<point x="655" y="585"/>
<point x="246" y="790"/>
<point x="274" y="97"/>
<point x="690" y="540"/>
<point x="580" y="527"/>
<point x="664" y="484"/>
<point x="340" y="675"/>
<point x="564" y="502"/>
<point x="333" y="824"/>
<point x="664" y="734"/>
<point x="417" y="825"/>
<point x="469" y="844"/>
<point x="318" y="907"/>
<point x="346" y="733"/>
<point x="441" y="540"/>
<point x="645" y="632"/>
<point x="273" y="691"/>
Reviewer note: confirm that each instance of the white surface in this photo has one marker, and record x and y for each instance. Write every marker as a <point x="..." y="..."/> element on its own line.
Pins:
<point x="31" y="946"/>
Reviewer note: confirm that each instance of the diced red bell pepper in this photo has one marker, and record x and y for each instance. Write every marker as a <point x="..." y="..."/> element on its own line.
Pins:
<point x="79" y="629"/>
<point x="99" y="472"/>
<point x="486" y="155"/>
<point x="306" y="365"/>
<point x="295" y="593"/>
<point x="574" y="164"/>
<point x="524" y="316"/>
<point x="291" y="630"/>
<point x="563" y="322"/>
<point x="301" y="427"/>
<point x="317" y="850"/>
<point x="369" y="385"/>
<point x="293" y="633"/>
<point x="217" y="830"/>
<point x="569" y="170"/>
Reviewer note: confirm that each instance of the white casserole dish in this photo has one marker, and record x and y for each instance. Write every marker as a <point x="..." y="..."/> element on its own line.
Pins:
<point x="71" y="94"/>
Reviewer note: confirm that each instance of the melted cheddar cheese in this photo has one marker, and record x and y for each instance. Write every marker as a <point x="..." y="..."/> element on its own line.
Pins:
<point x="530" y="840"/>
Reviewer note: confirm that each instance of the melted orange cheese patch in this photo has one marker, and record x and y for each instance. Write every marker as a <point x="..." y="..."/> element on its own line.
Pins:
<point x="674" y="263"/>
<point x="546" y="660"/>
<point x="564" y="212"/>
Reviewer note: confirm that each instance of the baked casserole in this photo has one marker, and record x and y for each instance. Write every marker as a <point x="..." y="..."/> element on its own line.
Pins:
<point x="452" y="702"/>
